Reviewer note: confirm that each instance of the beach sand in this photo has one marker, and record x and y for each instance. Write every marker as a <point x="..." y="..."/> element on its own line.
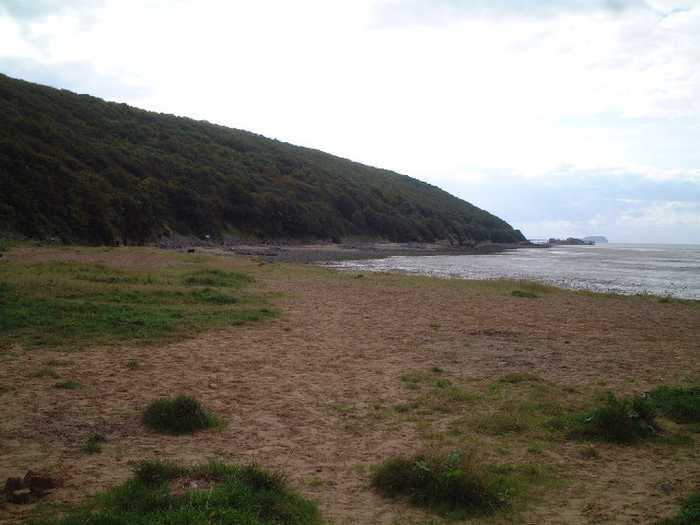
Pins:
<point x="314" y="392"/>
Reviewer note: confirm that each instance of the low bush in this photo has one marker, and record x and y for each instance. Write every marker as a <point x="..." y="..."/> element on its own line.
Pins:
<point x="215" y="494"/>
<point x="451" y="484"/>
<point x="689" y="513"/>
<point x="618" y="420"/>
<point x="181" y="415"/>
<point x="681" y="405"/>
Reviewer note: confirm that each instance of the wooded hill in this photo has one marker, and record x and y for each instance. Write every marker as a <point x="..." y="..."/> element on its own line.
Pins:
<point x="80" y="169"/>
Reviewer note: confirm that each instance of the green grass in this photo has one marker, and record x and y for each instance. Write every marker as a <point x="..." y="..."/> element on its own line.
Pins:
<point x="679" y="404"/>
<point x="45" y="372"/>
<point x="68" y="385"/>
<point x="689" y="513"/>
<point x="93" y="444"/>
<point x="181" y="415"/>
<point x="216" y="278"/>
<point x="617" y="420"/>
<point x="224" y="495"/>
<point x="453" y="485"/>
<point x="72" y="305"/>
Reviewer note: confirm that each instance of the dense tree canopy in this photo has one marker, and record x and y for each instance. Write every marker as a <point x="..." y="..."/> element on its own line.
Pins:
<point x="85" y="170"/>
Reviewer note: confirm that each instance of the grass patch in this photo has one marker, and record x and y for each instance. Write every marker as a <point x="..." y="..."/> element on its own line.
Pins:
<point x="689" y="513"/>
<point x="524" y="294"/>
<point x="45" y="372"/>
<point x="509" y="418"/>
<point x="133" y="364"/>
<point x="454" y="485"/>
<point x="74" y="305"/>
<point x="681" y="405"/>
<point x="215" y="494"/>
<point x="216" y="278"/>
<point x="181" y="415"/>
<point x="617" y="420"/>
<point x="93" y="444"/>
<point x="68" y="385"/>
<point x="436" y="392"/>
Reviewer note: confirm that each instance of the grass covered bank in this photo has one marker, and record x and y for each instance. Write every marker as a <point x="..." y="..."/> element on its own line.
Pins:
<point x="357" y="371"/>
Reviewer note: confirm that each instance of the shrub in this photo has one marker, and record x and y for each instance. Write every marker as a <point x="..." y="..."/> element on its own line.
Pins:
<point x="689" y="513"/>
<point x="181" y="415"/>
<point x="682" y="405"/>
<point x="618" y="420"/>
<point x="450" y="484"/>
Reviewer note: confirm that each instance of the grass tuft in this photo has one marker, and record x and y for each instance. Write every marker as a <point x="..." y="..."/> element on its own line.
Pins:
<point x="453" y="485"/>
<point x="689" y="513"/>
<point x="215" y="494"/>
<point x="93" y="444"/>
<point x="681" y="405"/>
<point x="618" y="421"/>
<point x="181" y="415"/>
<point x="155" y="472"/>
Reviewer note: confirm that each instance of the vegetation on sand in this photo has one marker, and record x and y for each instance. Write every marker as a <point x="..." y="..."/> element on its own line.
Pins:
<point x="181" y="415"/>
<point x="689" y="513"/>
<point x="215" y="494"/>
<point x="93" y="443"/>
<point x="452" y="484"/>
<point x="624" y="420"/>
<point x="680" y="404"/>
<point x="68" y="304"/>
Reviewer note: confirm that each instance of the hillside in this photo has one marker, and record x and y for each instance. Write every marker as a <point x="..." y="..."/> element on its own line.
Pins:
<point x="84" y="170"/>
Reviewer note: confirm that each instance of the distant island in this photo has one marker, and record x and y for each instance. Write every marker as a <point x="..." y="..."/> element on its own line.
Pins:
<point x="570" y="241"/>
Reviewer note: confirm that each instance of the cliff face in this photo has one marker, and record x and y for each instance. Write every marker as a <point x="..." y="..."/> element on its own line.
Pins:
<point x="85" y="170"/>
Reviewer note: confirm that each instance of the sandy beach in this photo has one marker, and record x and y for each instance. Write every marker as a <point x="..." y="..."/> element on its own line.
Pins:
<point x="324" y="392"/>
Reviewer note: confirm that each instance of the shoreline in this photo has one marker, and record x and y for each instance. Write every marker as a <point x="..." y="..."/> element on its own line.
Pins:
<point x="319" y="253"/>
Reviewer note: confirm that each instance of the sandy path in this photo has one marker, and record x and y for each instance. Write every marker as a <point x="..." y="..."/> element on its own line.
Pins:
<point x="308" y="393"/>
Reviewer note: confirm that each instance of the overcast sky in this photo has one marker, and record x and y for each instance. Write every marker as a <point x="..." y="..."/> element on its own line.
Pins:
<point x="564" y="117"/>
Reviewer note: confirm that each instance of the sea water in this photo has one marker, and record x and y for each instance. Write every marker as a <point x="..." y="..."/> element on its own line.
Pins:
<point x="666" y="270"/>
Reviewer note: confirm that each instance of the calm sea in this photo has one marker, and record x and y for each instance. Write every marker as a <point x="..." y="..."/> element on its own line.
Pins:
<point x="621" y="268"/>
